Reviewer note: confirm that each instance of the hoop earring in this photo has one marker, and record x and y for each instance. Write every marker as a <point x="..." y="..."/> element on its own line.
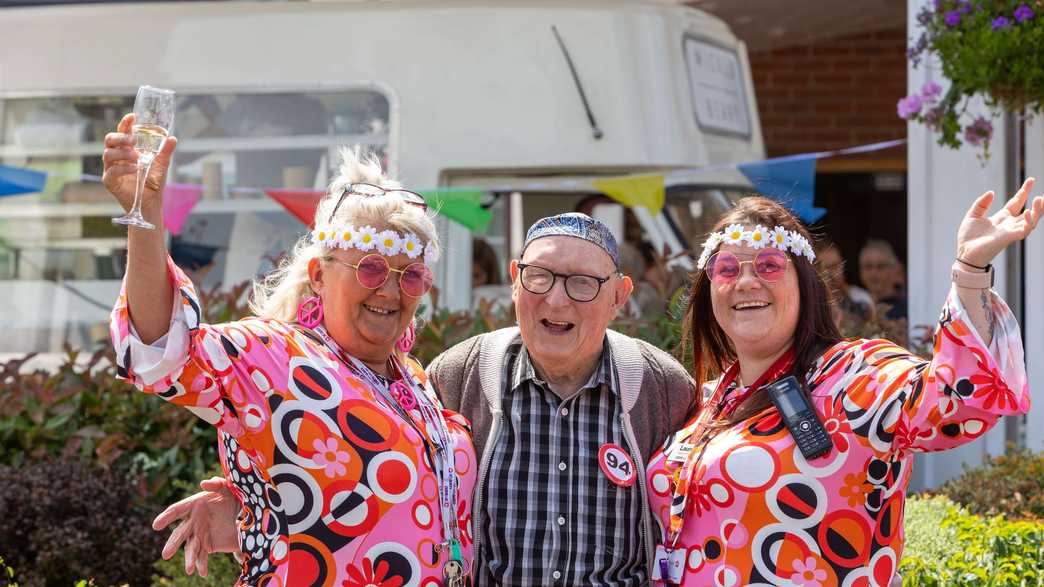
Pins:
<point x="310" y="312"/>
<point x="405" y="342"/>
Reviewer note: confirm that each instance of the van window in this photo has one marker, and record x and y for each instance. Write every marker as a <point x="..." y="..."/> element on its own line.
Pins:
<point x="61" y="259"/>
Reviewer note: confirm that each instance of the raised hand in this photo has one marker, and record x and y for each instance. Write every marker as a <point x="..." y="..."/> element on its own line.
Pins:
<point x="120" y="161"/>
<point x="208" y="525"/>
<point x="980" y="237"/>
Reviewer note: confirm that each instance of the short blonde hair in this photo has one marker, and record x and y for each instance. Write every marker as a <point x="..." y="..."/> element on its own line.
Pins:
<point x="278" y="294"/>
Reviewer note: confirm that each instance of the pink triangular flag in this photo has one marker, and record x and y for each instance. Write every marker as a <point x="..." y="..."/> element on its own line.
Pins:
<point x="178" y="201"/>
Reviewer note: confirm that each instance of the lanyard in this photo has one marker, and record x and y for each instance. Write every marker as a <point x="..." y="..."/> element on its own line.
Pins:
<point x="683" y="476"/>
<point x="434" y="433"/>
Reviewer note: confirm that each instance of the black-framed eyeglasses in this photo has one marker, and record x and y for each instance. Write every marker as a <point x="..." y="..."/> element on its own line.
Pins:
<point x="369" y="189"/>
<point x="579" y="287"/>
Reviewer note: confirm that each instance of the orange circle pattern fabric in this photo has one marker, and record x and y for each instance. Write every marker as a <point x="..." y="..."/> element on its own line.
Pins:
<point x="336" y="488"/>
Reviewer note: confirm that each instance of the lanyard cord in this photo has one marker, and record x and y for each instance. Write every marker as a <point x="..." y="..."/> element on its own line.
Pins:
<point x="717" y="405"/>
<point x="434" y="435"/>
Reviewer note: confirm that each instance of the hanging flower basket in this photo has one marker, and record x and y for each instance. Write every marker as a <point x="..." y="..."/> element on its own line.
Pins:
<point x="991" y="48"/>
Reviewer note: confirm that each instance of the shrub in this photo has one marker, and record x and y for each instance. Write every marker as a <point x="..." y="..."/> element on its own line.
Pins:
<point x="926" y="536"/>
<point x="82" y="410"/>
<point x="64" y="519"/>
<point x="968" y="549"/>
<point x="222" y="571"/>
<point x="1011" y="484"/>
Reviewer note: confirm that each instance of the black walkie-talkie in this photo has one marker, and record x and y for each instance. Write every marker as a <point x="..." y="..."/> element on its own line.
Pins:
<point x="800" y="417"/>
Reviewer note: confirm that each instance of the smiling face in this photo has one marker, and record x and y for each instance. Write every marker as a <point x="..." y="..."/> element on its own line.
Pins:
<point x="877" y="271"/>
<point x="364" y="322"/>
<point x="758" y="317"/>
<point x="557" y="330"/>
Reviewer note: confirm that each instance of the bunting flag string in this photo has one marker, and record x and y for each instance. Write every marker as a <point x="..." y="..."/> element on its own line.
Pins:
<point x="789" y="179"/>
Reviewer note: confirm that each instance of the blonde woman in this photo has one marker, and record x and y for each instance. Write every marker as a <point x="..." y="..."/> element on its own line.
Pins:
<point x="347" y="469"/>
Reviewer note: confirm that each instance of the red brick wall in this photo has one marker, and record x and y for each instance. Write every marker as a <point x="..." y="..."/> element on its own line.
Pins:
<point x="831" y="94"/>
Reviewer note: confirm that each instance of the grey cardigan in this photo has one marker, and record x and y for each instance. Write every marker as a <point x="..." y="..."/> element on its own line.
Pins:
<point x="656" y="393"/>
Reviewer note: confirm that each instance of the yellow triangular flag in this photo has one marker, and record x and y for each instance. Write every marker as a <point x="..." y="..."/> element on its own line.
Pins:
<point x="635" y="190"/>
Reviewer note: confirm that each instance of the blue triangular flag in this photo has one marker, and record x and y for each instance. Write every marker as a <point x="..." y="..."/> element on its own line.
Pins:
<point x="19" y="180"/>
<point x="791" y="181"/>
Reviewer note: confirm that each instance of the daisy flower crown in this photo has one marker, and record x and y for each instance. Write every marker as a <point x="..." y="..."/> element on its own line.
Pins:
<point x="366" y="238"/>
<point x="758" y="237"/>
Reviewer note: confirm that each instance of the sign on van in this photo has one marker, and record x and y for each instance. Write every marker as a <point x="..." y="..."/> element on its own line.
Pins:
<point x="718" y="89"/>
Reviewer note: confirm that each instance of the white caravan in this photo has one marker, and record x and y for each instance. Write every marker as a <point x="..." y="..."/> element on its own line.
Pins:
<point x="527" y="100"/>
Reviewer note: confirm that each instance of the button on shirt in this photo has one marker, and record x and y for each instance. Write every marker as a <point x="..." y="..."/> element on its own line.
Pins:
<point x="552" y="516"/>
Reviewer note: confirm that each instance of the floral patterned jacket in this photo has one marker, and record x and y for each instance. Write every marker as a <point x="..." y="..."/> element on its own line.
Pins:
<point x="335" y="486"/>
<point x="760" y="514"/>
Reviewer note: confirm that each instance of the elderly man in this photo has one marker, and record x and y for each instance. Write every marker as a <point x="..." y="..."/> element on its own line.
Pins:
<point x="565" y="413"/>
<point x="881" y="273"/>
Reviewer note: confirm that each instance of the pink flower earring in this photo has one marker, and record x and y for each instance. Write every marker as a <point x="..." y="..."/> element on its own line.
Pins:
<point x="310" y="312"/>
<point x="405" y="342"/>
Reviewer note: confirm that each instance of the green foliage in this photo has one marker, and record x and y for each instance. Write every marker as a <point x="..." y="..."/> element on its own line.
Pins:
<point x="981" y="551"/>
<point x="445" y="329"/>
<point x="82" y="410"/>
<point x="925" y="534"/>
<point x="990" y="48"/>
<point x="7" y="574"/>
<point x="222" y="571"/>
<point x="1011" y="484"/>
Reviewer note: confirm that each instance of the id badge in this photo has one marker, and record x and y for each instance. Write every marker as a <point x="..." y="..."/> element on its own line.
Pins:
<point x="670" y="565"/>
<point x="680" y="452"/>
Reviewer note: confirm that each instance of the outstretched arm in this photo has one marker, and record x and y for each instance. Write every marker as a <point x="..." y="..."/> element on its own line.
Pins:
<point x="980" y="238"/>
<point x="208" y="525"/>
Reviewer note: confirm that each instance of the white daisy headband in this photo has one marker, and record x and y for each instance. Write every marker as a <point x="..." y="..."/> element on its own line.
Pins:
<point x="758" y="238"/>
<point x="366" y="238"/>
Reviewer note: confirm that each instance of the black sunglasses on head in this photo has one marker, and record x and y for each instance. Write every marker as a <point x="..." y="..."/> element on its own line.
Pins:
<point x="369" y="189"/>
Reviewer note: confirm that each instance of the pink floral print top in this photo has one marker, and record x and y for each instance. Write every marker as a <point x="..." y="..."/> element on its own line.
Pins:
<point x="760" y="514"/>
<point x="336" y="487"/>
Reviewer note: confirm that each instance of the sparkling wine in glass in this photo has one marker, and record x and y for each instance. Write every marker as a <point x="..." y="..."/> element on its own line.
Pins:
<point x="153" y="119"/>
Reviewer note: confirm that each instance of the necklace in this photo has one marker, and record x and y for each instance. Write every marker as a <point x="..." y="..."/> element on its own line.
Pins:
<point x="402" y="395"/>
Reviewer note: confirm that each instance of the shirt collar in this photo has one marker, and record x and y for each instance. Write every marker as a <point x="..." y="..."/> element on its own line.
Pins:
<point x="524" y="371"/>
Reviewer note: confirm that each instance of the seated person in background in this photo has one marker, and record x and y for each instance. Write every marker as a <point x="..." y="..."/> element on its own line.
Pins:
<point x="879" y="269"/>
<point x="854" y="305"/>
<point x="646" y="299"/>
<point x="485" y="269"/>
<point x="486" y="283"/>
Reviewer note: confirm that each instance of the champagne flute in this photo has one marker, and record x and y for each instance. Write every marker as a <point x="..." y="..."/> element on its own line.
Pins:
<point x="153" y="119"/>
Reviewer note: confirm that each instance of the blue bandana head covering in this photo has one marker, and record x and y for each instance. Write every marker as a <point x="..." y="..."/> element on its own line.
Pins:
<point x="576" y="225"/>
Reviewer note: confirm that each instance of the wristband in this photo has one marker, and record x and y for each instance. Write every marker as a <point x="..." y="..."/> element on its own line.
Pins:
<point x="961" y="277"/>
<point x="974" y="266"/>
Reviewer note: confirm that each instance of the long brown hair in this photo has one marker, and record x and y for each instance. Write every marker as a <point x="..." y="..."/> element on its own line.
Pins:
<point x="712" y="351"/>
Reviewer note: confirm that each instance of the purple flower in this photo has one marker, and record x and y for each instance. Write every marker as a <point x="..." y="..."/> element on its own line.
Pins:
<point x="930" y="92"/>
<point x="1023" y="13"/>
<point x="964" y="7"/>
<point x="978" y="132"/>
<point x="952" y="18"/>
<point x="1001" y="23"/>
<point x="933" y="118"/>
<point x="908" y="106"/>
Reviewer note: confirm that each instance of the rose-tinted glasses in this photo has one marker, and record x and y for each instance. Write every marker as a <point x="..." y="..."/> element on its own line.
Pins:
<point x="369" y="189"/>
<point x="373" y="270"/>
<point x="769" y="265"/>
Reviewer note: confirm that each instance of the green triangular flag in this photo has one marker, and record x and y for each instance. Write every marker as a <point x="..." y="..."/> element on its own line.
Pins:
<point x="463" y="206"/>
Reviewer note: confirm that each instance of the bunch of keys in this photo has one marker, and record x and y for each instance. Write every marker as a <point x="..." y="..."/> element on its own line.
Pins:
<point x="453" y="574"/>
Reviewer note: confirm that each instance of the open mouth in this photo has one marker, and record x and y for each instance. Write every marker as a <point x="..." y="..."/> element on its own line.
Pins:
<point x="556" y="327"/>
<point x="379" y="311"/>
<point x="750" y="306"/>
